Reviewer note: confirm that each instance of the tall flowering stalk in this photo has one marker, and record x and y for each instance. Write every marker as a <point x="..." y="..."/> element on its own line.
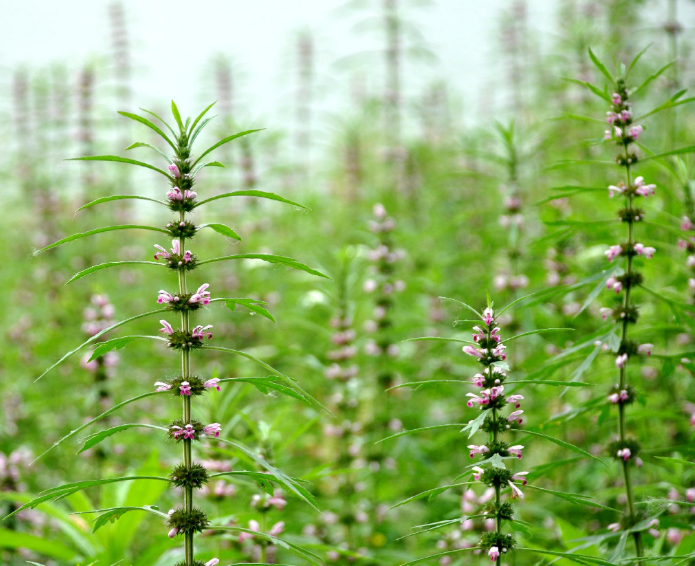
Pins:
<point x="184" y="300"/>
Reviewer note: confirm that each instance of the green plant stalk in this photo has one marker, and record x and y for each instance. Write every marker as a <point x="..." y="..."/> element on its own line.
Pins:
<point x="185" y="373"/>
<point x="623" y="371"/>
<point x="498" y="520"/>
<point x="263" y="543"/>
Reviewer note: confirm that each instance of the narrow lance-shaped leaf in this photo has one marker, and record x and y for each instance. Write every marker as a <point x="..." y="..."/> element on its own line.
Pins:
<point x="431" y="493"/>
<point x="437" y="339"/>
<point x="94" y="439"/>
<point x="221" y="229"/>
<point x="97" y="336"/>
<point x="419" y="384"/>
<point x="651" y="78"/>
<point x="81" y="235"/>
<point x="142" y="144"/>
<point x="470" y="308"/>
<point x="562" y="443"/>
<point x="418" y="430"/>
<point x="224" y="141"/>
<point x="112" y="514"/>
<point x="288" y="261"/>
<point x="81" y="274"/>
<point x="206" y="164"/>
<point x="254" y="305"/>
<point x="119" y="343"/>
<point x="539" y="331"/>
<point x="601" y="67"/>
<point x="150" y="125"/>
<point x="119" y="197"/>
<point x="252" y="193"/>
<point x="117" y="159"/>
<point x="177" y="116"/>
<point x="200" y="116"/>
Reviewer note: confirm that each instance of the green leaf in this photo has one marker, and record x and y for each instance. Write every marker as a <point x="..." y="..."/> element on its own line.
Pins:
<point x="195" y="134"/>
<point x="438" y="525"/>
<point x="635" y="60"/>
<point x="675" y="460"/>
<point x="150" y="125"/>
<point x="680" y="151"/>
<point x="288" y="261"/>
<point x="81" y="274"/>
<point x="224" y="141"/>
<point x="579" y="558"/>
<point x="597" y="91"/>
<point x="601" y="67"/>
<point x="252" y="193"/>
<point x="475" y="424"/>
<point x="221" y="229"/>
<point x="572" y="498"/>
<point x="97" y="336"/>
<point x="517" y="301"/>
<point x="142" y="144"/>
<point x="470" y="308"/>
<point x="550" y="382"/>
<point x="562" y="443"/>
<point x="280" y="476"/>
<point x="417" y="430"/>
<point x="430" y="493"/>
<point x="94" y="439"/>
<point x="447" y="553"/>
<point x="177" y="116"/>
<point x="293" y="548"/>
<point x="437" y="338"/>
<point x="63" y="491"/>
<point x="97" y="418"/>
<point x="112" y="514"/>
<point x="206" y="164"/>
<point x="651" y="78"/>
<point x="539" y="331"/>
<point x="254" y="305"/>
<point x="117" y="159"/>
<point x="120" y="197"/>
<point x="99" y="231"/>
<point x="13" y="539"/>
<point x="598" y="288"/>
<point x="200" y="116"/>
<point x="263" y="384"/>
<point x="119" y="343"/>
<point x="428" y="382"/>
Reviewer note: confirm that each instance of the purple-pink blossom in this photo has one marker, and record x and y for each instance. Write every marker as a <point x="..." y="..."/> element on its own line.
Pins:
<point x="201" y="295"/>
<point x="613" y="252"/>
<point x="646" y="251"/>
<point x="494" y="553"/>
<point x="212" y="384"/>
<point x="185" y="388"/>
<point x="624" y="453"/>
<point x="166" y="327"/>
<point x="643" y="189"/>
<point x="174" y="170"/>
<point x="477" y="449"/>
<point x="213" y="429"/>
<point x="202" y="332"/>
<point x="161" y="386"/>
<point x="515" y="450"/>
<point x="620" y="361"/>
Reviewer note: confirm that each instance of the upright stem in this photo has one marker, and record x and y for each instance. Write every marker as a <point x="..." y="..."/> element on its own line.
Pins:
<point x="498" y="500"/>
<point x="623" y="370"/>
<point x="185" y="374"/>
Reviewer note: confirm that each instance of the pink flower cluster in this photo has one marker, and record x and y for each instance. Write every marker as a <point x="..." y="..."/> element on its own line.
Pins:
<point x="187" y="256"/>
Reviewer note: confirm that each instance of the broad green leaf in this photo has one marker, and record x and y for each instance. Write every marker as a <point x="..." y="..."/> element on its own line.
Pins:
<point x="200" y="116"/>
<point x="601" y="67"/>
<point x="475" y="424"/>
<point x="142" y="144"/>
<point x="99" y="231"/>
<point x="562" y="443"/>
<point x="64" y="491"/>
<point x="254" y="305"/>
<point x="119" y="343"/>
<point x="119" y="197"/>
<point x="17" y="540"/>
<point x="282" y="478"/>
<point x="431" y="493"/>
<point x="224" y="141"/>
<point x="252" y="193"/>
<point x="539" y="331"/>
<point x="97" y="418"/>
<point x="94" y="439"/>
<point x="675" y="460"/>
<point x="112" y="514"/>
<point x="447" y="553"/>
<point x="117" y="159"/>
<point x="177" y="116"/>
<point x="150" y="125"/>
<point x="97" y="336"/>
<point x="417" y="430"/>
<point x="81" y="274"/>
<point x="288" y="261"/>
<point x="221" y="229"/>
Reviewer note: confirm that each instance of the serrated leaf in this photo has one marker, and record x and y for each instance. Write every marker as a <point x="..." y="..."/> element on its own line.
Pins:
<point x="579" y="558"/>
<point x="224" y="141"/>
<point x="252" y="193"/>
<point x="221" y="229"/>
<point x="119" y="343"/>
<point x="475" y="424"/>
<point x="112" y="514"/>
<point x="94" y="439"/>
<point x="150" y="125"/>
<point x="117" y="159"/>
<point x="119" y="197"/>
<point x="81" y="235"/>
<point x="254" y="305"/>
<point x="84" y="272"/>
<point x="288" y="261"/>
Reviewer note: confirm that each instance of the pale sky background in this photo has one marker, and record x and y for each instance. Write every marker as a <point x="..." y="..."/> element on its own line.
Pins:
<point x="173" y="41"/>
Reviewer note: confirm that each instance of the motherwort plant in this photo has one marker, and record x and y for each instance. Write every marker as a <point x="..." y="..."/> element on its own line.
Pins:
<point x="181" y="302"/>
<point x="498" y="402"/>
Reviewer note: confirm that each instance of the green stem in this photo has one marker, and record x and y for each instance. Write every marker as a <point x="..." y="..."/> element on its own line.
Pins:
<point x="263" y="543"/>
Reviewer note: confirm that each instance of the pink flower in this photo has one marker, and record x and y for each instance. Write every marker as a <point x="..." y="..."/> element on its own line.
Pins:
<point x="646" y="251"/>
<point x="479" y="335"/>
<point x="607" y="134"/>
<point x="611" y="117"/>
<point x="615" y="99"/>
<point x="620" y="361"/>
<point x="175" y="194"/>
<point x="212" y="384"/>
<point x="277" y="529"/>
<point x="635" y="131"/>
<point x="174" y="170"/>
<point x="165" y="297"/>
<point x="166" y="327"/>
<point x="161" y="253"/>
<point x="488" y="316"/>
<point x="478" y="380"/>
<point x="471" y="351"/>
<point x="495" y="334"/>
<point x="477" y="473"/>
<point x="613" y="252"/>
<point x="687" y="224"/>
<point x="516" y="492"/>
<point x="173" y="532"/>
<point x="614" y="527"/>
<point x="515" y="417"/>
<point x="187" y="257"/>
<point x="161" y="386"/>
<point x="624" y="454"/>
<point x="615" y="190"/>
<point x="614" y="398"/>
<point x="213" y="429"/>
<point x="515" y="450"/>
<point x="176" y="432"/>
<point x="645" y="349"/>
<point x="185" y="388"/>
<point x="176" y="247"/>
<point x="520" y="476"/>
<point x="494" y="553"/>
<point x="642" y="189"/>
<point x="690" y="494"/>
<point x="499" y="352"/>
<point x="188" y="432"/>
<point x="515" y="400"/>
<point x="690" y="262"/>
<point x="253" y="526"/>
<point x="651" y="528"/>
<point x="474" y="398"/>
<point x="477" y="449"/>
<point x="201" y="295"/>
<point x="201" y="332"/>
<point x="277" y="500"/>
<point x="213" y="562"/>
<point x="605" y="312"/>
<point x="623" y="395"/>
